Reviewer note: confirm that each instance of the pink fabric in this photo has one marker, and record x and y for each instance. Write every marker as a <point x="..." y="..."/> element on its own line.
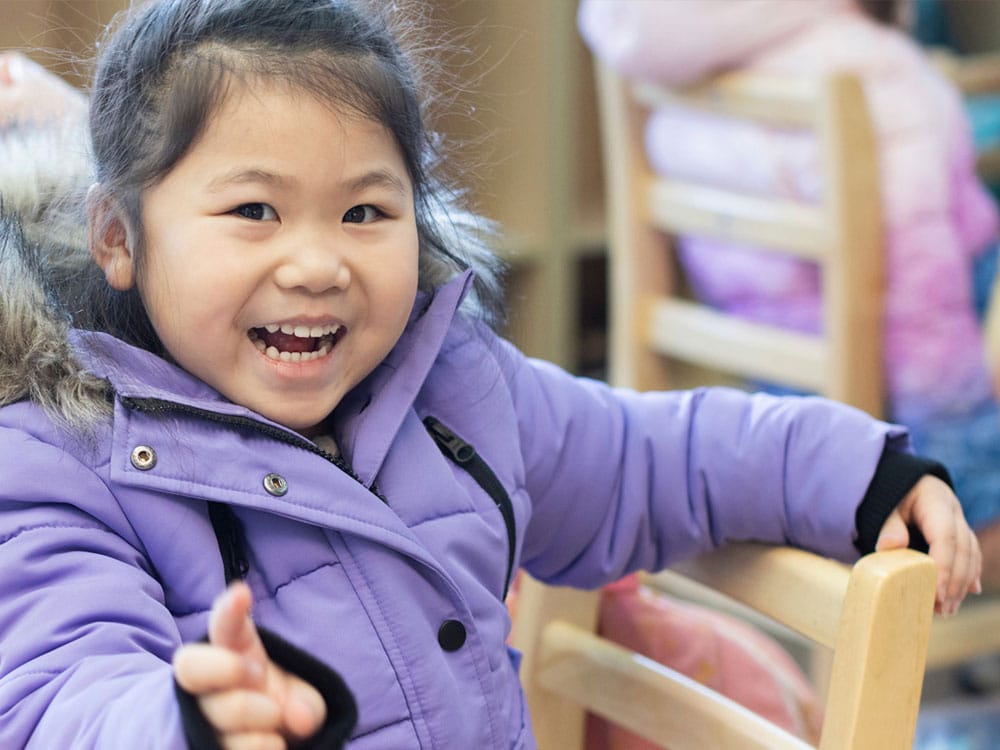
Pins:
<point x="683" y="40"/>
<point x="938" y="215"/>
<point x="716" y="650"/>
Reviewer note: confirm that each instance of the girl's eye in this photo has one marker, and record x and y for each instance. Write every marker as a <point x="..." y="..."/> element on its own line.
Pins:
<point x="362" y="214"/>
<point x="256" y="212"/>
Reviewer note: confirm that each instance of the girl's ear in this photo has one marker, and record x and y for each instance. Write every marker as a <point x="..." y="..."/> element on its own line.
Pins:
<point x="110" y="241"/>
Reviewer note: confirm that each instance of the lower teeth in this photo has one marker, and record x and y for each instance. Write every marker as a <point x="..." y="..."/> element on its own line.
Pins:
<point x="273" y="353"/>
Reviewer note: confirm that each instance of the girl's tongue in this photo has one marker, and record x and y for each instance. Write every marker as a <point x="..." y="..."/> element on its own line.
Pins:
<point x="286" y="342"/>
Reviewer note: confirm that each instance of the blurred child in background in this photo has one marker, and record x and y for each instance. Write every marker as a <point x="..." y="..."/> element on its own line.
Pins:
<point x="939" y="218"/>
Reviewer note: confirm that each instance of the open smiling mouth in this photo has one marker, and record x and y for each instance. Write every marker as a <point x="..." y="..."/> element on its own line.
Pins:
<point x="289" y="343"/>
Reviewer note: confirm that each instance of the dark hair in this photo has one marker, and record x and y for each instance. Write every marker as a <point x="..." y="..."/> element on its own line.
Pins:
<point x="163" y="72"/>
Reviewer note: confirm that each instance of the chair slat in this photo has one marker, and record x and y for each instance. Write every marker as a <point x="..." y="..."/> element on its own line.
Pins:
<point x="707" y="338"/>
<point x="793" y="587"/>
<point x="774" y="99"/>
<point x="973" y="632"/>
<point x="620" y="685"/>
<point x="695" y="209"/>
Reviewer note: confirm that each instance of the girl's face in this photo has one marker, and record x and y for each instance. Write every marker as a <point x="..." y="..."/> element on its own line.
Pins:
<point x="280" y="261"/>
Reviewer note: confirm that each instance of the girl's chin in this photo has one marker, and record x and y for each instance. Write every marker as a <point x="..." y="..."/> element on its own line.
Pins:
<point x="308" y="416"/>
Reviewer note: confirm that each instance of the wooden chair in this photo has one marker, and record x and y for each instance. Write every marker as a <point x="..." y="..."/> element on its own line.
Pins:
<point x="653" y="325"/>
<point x="656" y="330"/>
<point x="875" y="615"/>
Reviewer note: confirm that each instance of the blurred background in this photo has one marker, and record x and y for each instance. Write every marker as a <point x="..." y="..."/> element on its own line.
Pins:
<point x="519" y="110"/>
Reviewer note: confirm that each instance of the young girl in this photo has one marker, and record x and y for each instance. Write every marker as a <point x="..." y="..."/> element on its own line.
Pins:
<point x="289" y="363"/>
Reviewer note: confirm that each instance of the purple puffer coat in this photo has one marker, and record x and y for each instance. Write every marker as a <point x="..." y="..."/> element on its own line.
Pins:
<point x="106" y="568"/>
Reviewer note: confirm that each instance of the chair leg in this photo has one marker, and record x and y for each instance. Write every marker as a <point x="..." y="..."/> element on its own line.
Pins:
<point x="558" y="723"/>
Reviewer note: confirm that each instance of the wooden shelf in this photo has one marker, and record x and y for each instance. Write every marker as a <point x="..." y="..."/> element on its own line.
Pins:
<point x="530" y="117"/>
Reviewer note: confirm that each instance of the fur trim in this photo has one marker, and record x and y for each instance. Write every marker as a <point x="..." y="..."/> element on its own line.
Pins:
<point x="37" y="361"/>
<point x="45" y="178"/>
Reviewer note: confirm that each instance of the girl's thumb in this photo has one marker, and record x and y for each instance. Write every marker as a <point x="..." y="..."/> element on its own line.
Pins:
<point x="894" y="534"/>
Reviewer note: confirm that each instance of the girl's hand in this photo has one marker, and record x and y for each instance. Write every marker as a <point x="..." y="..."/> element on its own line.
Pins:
<point x="249" y="700"/>
<point x="932" y="508"/>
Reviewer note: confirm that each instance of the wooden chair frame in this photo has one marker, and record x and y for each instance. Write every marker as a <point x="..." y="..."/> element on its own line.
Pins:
<point x="876" y="615"/>
<point x="844" y="234"/>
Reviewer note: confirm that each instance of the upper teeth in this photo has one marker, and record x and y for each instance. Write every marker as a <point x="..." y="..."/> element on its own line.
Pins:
<point x="303" y="332"/>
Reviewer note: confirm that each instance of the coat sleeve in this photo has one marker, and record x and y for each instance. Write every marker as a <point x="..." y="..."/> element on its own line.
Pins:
<point x="621" y="481"/>
<point x="86" y="637"/>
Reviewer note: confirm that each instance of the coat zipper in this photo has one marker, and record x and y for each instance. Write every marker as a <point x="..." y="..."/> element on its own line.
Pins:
<point x="464" y="454"/>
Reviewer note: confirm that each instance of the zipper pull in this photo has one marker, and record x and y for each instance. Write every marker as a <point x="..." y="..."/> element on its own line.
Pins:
<point x="460" y="451"/>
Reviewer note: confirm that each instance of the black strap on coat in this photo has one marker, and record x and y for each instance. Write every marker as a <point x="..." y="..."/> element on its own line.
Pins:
<point x="465" y="455"/>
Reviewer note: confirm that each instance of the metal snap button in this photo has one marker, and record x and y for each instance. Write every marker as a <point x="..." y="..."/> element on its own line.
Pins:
<point x="275" y="484"/>
<point x="143" y="457"/>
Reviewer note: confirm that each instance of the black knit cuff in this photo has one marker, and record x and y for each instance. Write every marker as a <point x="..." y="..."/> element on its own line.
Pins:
<point x="341" y="709"/>
<point x="895" y="476"/>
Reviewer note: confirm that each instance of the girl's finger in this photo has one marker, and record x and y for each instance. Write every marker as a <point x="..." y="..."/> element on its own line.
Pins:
<point x="230" y="625"/>
<point x="202" y="668"/>
<point x="894" y="534"/>
<point x="966" y="568"/>
<point x="253" y="741"/>
<point x="304" y="709"/>
<point x="241" y="711"/>
<point x="968" y="564"/>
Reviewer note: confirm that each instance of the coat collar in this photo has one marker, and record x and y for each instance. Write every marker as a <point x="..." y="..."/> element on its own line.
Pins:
<point x="366" y="425"/>
<point x="369" y="418"/>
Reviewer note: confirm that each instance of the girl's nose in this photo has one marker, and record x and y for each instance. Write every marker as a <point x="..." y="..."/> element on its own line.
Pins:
<point x="316" y="265"/>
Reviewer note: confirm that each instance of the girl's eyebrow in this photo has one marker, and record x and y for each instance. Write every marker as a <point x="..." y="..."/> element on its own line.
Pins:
<point x="241" y="176"/>
<point x="375" y="178"/>
<point x="378" y="178"/>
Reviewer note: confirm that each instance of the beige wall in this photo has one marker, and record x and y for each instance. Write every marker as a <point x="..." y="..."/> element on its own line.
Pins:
<point x="57" y="33"/>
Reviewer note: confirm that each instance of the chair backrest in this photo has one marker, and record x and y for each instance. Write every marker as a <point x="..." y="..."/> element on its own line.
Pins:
<point x="976" y="75"/>
<point x="875" y="616"/>
<point x="652" y="320"/>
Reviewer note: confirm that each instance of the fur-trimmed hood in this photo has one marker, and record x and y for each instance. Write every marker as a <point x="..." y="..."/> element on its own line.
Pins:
<point x="36" y="358"/>
<point x="44" y="266"/>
